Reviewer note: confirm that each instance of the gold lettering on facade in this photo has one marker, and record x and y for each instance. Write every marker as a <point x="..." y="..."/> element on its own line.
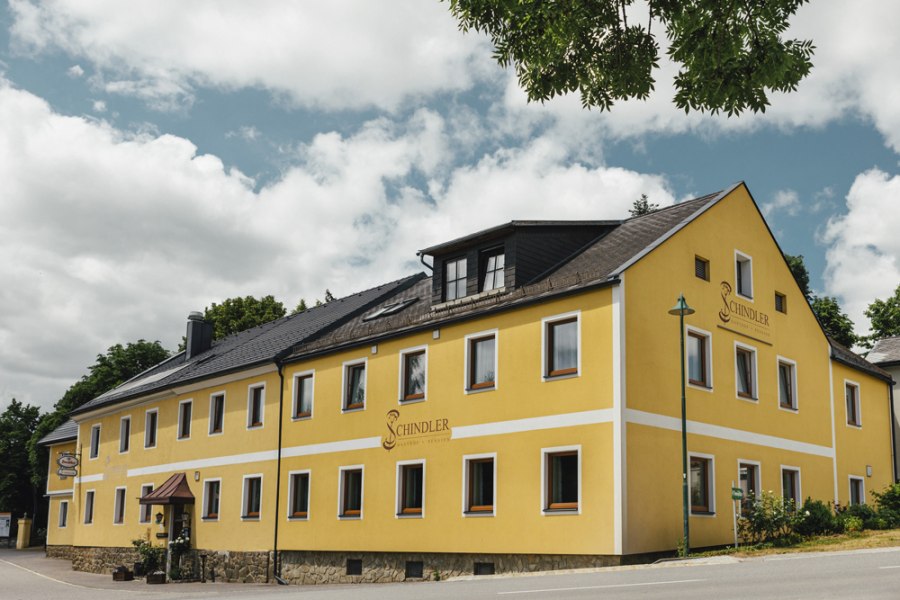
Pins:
<point x="744" y="316"/>
<point x="405" y="433"/>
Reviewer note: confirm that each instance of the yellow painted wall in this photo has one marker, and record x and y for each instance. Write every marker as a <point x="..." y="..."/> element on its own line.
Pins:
<point x="56" y="489"/>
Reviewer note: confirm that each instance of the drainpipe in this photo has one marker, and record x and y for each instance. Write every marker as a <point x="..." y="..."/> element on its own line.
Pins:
<point x="422" y="260"/>
<point x="277" y="566"/>
<point x="893" y="434"/>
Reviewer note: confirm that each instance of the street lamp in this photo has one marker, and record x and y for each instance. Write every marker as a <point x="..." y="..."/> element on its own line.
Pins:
<point x="681" y="309"/>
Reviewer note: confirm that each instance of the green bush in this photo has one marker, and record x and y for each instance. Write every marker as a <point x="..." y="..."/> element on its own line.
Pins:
<point x="770" y="519"/>
<point x="152" y="557"/>
<point x="852" y="524"/>
<point x="815" y="518"/>
<point x="888" y="498"/>
<point x="865" y="513"/>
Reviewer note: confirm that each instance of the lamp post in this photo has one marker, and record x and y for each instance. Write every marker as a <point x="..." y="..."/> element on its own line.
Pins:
<point x="681" y="309"/>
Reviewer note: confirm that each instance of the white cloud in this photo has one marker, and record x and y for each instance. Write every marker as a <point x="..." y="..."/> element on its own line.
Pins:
<point x="786" y="200"/>
<point x="863" y="260"/>
<point x="334" y="55"/>
<point x="75" y="71"/>
<point x="99" y="106"/>
<point x="109" y="236"/>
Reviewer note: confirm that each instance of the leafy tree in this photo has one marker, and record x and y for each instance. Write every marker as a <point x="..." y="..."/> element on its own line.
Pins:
<point x="731" y="54"/>
<point x="642" y="206"/>
<point x="884" y="315"/>
<point x="237" y="314"/>
<point x="836" y="323"/>
<point x="17" y="425"/>
<point x="301" y="306"/>
<point x="328" y="295"/>
<point x="800" y="273"/>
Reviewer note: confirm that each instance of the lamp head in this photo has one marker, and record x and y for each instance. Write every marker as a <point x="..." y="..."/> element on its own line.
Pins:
<point x="681" y="308"/>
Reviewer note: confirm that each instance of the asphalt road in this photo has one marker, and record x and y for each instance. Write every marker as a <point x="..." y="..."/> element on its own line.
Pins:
<point x="866" y="574"/>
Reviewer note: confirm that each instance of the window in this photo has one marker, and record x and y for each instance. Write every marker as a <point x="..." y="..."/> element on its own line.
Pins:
<point x="743" y="275"/>
<point x="351" y="492"/>
<point x="216" y="413"/>
<point x="857" y="493"/>
<point x="411" y="489"/>
<point x="492" y="268"/>
<point x="482" y="362"/>
<point x="745" y="366"/>
<point x="185" y="410"/>
<point x="701" y="485"/>
<point x="413" y="366"/>
<point x="561" y="484"/>
<point x="63" y="513"/>
<point x="455" y="279"/>
<point x="355" y="386"/>
<point x="787" y="384"/>
<point x="95" y="441"/>
<point x="252" y="496"/>
<point x="298" y="507"/>
<point x="561" y="351"/>
<point x="790" y="484"/>
<point x="701" y="268"/>
<point x="151" y="418"/>
<point x="119" y="508"/>
<point x="256" y="401"/>
<point x="124" y="434"/>
<point x="89" y="507"/>
<point x="479" y="474"/>
<point x="146" y="509"/>
<point x="851" y="394"/>
<point x="748" y="474"/>
<point x="211" y="492"/>
<point x="699" y="372"/>
<point x="303" y="395"/>
<point x="780" y="302"/>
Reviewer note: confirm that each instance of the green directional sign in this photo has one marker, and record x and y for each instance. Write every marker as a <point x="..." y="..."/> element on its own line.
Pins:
<point x="737" y="493"/>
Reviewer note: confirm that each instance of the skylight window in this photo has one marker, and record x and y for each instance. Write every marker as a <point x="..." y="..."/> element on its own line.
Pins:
<point x="390" y="309"/>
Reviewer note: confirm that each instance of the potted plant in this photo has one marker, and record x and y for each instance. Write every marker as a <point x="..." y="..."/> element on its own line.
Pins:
<point x="152" y="558"/>
<point x="177" y="548"/>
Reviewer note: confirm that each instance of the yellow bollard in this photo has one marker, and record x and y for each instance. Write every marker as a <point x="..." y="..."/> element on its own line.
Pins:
<point x="24" y="537"/>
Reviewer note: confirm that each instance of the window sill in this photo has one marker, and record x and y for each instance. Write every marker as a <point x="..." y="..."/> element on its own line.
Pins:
<point x="352" y="409"/>
<point x="209" y="519"/>
<point x="481" y="389"/>
<point x="293" y="518"/>
<point x="404" y="402"/>
<point x="561" y="511"/>
<point x="790" y="409"/>
<point x="748" y="399"/>
<point x="350" y="517"/>
<point x="410" y="516"/>
<point x="478" y="513"/>
<point x="255" y="426"/>
<point x="561" y="376"/>
<point x="854" y="425"/>
<point x="302" y="417"/>
<point x="702" y="513"/>
<point x="699" y="386"/>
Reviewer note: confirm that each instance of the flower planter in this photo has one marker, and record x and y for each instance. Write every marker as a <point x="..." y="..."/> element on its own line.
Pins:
<point x="158" y="577"/>
<point x="122" y="574"/>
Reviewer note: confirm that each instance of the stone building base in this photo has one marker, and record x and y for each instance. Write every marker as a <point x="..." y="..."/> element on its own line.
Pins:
<point x="59" y="552"/>
<point x="101" y="560"/>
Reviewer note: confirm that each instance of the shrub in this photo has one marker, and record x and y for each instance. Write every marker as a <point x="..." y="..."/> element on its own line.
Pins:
<point x="770" y="518"/>
<point x="865" y="513"/>
<point x="887" y="503"/>
<point x="815" y="518"/>
<point x="152" y="557"/>
<point x="852" y="524"/>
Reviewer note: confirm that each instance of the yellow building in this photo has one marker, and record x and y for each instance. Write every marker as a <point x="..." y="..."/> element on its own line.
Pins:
<point x="518" y="409"/>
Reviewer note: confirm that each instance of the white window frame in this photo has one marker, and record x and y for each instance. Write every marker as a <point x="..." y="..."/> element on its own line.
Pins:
<point x="545" y="452"/>
<point x="93" y="495"/>
<point x="754" y="359"/>
<point x="401" y="376"/>
<point x="466" y="459"/>
<point x="296" y="390"/>
<point x="147" y="429"/>
<point x="862" y="482"/>
<point x="399" y="485"/>
<point x="145" y="507"/>
<point x="119" y="501"/>
<point x="711" y="513"/>
<point x="796" y="392"/>
<point x="245" y="497"/>
<point x="292" y="491"/>
<point x="94" y="450"/>
<point x="62" y="518"/>
<point x="546" y="323"/>
<point x="758" y="465"/>
<point x="850" y="382"/>
<point x="467" y="370"/>
<point x="262" y="406"/>
<point x="345" y="368"/>
<point x="203" y="511"/>
<point x="709" y="361"/>
<point x="743" y="257"/>
<point x="362" y="492"/>
<point x="209" y="429"/>
<point x="799" y="500"/>
<point x="178" y="436"/>
<point x="128" y="437"/>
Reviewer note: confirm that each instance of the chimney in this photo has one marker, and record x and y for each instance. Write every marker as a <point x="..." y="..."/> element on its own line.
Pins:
<point x="199" y="335"/>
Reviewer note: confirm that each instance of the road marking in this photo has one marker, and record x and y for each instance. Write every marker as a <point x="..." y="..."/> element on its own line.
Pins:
<point x="891" y="567"/>
<point x="600" y="587"/>
<point x="45" y="576"/>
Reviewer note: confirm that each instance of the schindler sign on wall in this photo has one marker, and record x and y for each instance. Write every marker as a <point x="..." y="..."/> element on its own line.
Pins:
<point x="741" y="316"/>
<point x="402" y="433"/>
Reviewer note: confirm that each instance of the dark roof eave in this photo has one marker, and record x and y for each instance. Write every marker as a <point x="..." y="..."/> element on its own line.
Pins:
<point x="510" y="226"/>
<point x="379" y="337"/>
<point x="874" y="372"/>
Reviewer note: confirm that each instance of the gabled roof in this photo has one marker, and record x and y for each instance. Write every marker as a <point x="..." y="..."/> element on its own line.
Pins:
<point x="66" y="432"/>
<point x="253" y="347"/>
<point x="844" y="355"/>
<point x="886" y="352"/>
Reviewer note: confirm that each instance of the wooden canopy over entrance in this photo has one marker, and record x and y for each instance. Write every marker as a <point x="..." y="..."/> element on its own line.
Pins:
<point x="175" y="490"/>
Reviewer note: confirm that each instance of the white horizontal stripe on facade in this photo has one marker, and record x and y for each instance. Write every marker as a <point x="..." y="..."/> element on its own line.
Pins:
<point x="200" y="463"/>
<point x="329" y="447"/>
<point x="59" y="493"/>
<point x="588" y="417"/>
<point x="726" y="433"/>
<point x="89" y="478"/>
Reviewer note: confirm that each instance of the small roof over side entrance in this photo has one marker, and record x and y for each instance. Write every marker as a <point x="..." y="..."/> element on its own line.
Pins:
<point x="175" y="490"/>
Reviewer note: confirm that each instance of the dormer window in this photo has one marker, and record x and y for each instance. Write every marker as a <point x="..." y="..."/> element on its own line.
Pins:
<point x="492" y="268"/>
<point x="455" y="279"/>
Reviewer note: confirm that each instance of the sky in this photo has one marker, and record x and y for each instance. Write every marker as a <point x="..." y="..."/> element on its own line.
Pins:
<point x="156" y="157"/>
